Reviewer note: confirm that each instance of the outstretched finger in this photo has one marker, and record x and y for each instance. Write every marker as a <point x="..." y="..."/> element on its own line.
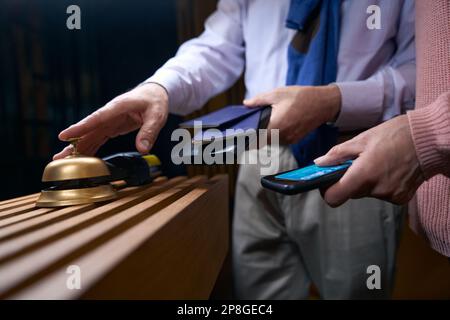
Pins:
<point x="340" y="153"/>
<point x="99" y="118"/>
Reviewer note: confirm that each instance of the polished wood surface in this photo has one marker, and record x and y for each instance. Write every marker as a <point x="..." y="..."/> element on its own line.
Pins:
<point x="165" y="240"/>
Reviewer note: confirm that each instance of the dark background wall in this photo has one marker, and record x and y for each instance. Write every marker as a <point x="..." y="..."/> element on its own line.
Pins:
<point x="51" y="77"/>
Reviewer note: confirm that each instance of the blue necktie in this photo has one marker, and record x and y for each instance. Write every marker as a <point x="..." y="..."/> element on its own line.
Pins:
<point x="312" y="60"/>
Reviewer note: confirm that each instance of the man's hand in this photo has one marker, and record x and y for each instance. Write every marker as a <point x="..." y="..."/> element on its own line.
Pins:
<point x="297" y="110"/>
<point x="386" y="167"/>
<point x="145" y="107"/>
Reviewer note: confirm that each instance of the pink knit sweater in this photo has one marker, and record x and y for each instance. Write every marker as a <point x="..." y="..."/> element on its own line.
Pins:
<point x="430" y="122"/>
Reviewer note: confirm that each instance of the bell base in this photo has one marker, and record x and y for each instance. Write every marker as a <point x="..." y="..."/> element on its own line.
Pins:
<point x="62" y="198"/>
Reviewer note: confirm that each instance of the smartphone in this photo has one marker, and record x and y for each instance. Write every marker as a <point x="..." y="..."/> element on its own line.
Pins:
<point x="305" y="179"/>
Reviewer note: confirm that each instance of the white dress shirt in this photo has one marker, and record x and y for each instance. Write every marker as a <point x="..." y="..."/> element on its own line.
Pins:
<point x="376" y="68"/>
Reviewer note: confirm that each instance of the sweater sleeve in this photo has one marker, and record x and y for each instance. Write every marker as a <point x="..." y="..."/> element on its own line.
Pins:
<point x="430" y="128"/>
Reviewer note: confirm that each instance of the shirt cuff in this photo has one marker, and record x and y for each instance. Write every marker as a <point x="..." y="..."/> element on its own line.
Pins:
<point x="430" y="129"/>
<point x="361" y="104"/>
<point x="170" y="81"/>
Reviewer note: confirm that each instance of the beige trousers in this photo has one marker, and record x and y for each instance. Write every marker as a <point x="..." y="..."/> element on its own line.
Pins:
<point x="282" y="244"/>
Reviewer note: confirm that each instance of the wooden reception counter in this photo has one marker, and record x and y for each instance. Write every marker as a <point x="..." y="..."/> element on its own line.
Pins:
<point x="167" y="240"/>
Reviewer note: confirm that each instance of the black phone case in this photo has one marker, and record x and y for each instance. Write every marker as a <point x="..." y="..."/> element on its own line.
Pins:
<point x="290" y="187"/>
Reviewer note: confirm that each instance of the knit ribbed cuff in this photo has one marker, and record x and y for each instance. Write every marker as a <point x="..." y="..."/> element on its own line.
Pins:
<point x="430" y="127"/>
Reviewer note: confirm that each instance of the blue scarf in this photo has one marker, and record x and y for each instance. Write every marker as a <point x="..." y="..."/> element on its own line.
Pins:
<point x="316" y="66"/>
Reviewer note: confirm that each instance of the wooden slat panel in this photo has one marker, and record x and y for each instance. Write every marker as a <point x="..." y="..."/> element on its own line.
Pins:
<point x="56" y="231"/>
<point x="29" y="267"/>
<point x="17" y="203"/>
<point x="58" y="215"/>
<point x="27" y="200"/>
<point x="29" y="196"/>
<point x="166" y="240"/>
<point x="42" y="221"/>
<point x="188" y="235"/>
<point x="7" y="213"/>
<point x="16" y="217"/>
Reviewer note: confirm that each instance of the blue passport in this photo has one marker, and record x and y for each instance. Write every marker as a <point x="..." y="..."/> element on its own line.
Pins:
<point x="238" y="118"/>
<point x="225" y="117"/>
<point x="234" y="130"/>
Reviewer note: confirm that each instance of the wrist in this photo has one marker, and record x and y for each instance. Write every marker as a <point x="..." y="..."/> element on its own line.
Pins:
<point x="330" y="99"/>
<point x="155" y="86"/>
<point x="155" y="92"/>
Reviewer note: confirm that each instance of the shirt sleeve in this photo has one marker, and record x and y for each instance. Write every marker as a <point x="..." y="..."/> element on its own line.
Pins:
<point x="207" y="65"/>
<point x="430" y="129"/>
<point x="391" y="90"/>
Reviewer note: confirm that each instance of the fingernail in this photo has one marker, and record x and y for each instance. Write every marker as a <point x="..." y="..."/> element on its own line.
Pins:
<point x="146" y="144"/>
<point x="319" y="159"/>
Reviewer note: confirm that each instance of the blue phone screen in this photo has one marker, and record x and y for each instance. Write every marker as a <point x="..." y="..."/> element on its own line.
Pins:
<point x="311" y="172"/>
